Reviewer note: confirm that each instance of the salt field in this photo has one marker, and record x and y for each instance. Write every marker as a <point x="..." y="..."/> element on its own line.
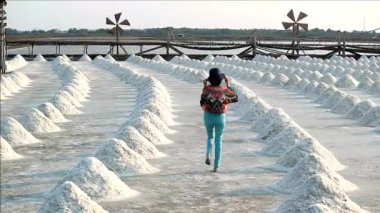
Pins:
<point x="99" y="135"/>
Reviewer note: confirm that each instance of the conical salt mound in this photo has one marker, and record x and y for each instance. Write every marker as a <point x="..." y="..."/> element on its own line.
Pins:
<point x="156" y="121"/>
<point x="366" y="83"/>
<point x="68" y="197"/>
<point x="138" y="143"/>
<point x="150" y="132"/>
<point x="63" y="104"/>
<point x="85" y="58"/>
<point x="346" y="81"/>
<point x="52" y="113"/>
<point x="306" y="147"/>
<point x="77" y="95"/>
<point x="319" y="189"/>
<point x="36" y="121"/>
<point x="371" y="118"/>
<point x="209" y="58"/>
<point x="319" y="208"/>
<point x="346" y="104"/>
<point x="64" y="56"/>
<point x="285" y="140"/>
<point x="336" y="97"/>
<point x="360" y="109"/>
<point x="39" y="57"/>
<point x="119" y="158"/>
<point x="15" y="133"/>
<point x="292" y="82"/>
<point x="328" y="79"/>
<point x="93" y="177"/>
<point x="375" y="88"/>
<point x="7" y="152"/>
<point x="278" y="123"/>
<point x="9" y="84"/>
<point x="265" y="119"/>
<point x="109" y="58"/>
<point x="280" y="79"/>
<point x="158" y="58"/>
<point x="308" y="166"/>
<point x="267" y="77"/>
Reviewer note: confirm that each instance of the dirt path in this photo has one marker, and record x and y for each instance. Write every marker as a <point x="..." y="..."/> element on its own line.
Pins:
<point x="185" y="183"/>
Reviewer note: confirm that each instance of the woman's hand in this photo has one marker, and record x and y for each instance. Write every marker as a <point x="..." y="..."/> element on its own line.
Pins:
<point x="227" y="81"/>
<point x="205" y="83"/>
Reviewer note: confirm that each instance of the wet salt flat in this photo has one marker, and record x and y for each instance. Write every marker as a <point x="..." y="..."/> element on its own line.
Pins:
<point x="183" y="182"/>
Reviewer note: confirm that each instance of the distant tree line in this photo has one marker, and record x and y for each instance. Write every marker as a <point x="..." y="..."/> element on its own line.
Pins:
<point x="190" y="32"/>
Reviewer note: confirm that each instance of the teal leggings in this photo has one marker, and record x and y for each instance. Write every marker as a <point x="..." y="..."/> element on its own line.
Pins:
<point x="214" y="126"/>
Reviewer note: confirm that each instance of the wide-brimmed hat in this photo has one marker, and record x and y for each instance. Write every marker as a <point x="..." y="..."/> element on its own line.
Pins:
<point x="215" y="75"/>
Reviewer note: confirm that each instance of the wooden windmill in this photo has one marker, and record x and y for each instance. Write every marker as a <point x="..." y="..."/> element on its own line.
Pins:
<point x="295" y="25"/>
<point x="116" y="29"/>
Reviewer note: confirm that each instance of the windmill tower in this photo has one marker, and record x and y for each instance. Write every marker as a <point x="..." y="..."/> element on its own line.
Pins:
<point x="295" y="25"/>
<point x="116" y="29"/>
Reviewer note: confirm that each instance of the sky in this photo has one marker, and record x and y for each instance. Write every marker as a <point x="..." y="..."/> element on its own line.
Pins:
<point x="59" y="14"/>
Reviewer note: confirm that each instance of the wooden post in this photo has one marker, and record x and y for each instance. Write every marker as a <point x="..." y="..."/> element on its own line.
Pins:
<point x="32" y="49"/>
<point x="3" y="67"/>
<point x="254" y="45"/>
<point x="56" y="50"/>
<point x="141" y="49"/>
<point x="339" y="46"/>
<point x="344" y="44"/>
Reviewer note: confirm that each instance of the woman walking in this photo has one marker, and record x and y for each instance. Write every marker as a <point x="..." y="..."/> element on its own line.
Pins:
<point x="214" y="101"/>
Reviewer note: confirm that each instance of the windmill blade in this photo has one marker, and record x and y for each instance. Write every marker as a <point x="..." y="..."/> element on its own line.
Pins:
<point x="117" y="17"/>
<point x="287" y="25"/>
<point x="125" y="22"/>
<point x="291" y="15"/>
<point x="108" y="21"/>
<point x="301" y="16"/>
<point x="304" y="26"/>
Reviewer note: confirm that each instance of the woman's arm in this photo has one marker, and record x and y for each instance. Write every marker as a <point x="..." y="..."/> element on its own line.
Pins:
<point x="205" y="83"/>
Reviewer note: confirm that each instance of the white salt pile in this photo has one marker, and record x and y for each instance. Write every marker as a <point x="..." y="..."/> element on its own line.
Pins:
<point x="326" y="94"/>
<point x="156" y="121"/>
<point x="52" y="113"/>
<point x="335" y="98"/>
<point x="346" y="81"/>
<point x="316" y="190"/>
<point x="138" y="143"/>
<point x="346" y="104"/>
<point x="39" y="58"/>
<point x="158" y="58"/>
<point x="360" y="109"/>
<point x="7" y="152"/>
<point x="365" y="83"/>
<point x="265" y="119"/>
<point x="267" y="77"/>
<point x="320" y="89"/>
<point x="371" y="118"/>
<point x="209" y="58"/>
<point x="256" y="76"/>
<point x="302" y="84"/>
<point x="64" y="56"/>
<point x="68" y="197"/>
<point x="93" y="177"/>
<point x="85" y="58"/>
<point x="308" y="166"/>
<point x="15" y="63"/>
<point x="377" y="129"/>
<point x="375" y="88"/>
<point x="8" y="84"/>
<point x="292" y="82"/>
<point x="310" y="88"/>
<point x="280" y="79"/>
<point x="14" y="133"/>
<point x="257" y="108"/>
<point x="278" y="122"/>
<point x="119" y="158"/>
<point x="35" y="121"/>
<point x="76" y="94"/>
<point x="63" y="104"/>
<point x="285" y="140"/>
<point x="328" y="79"/>
<point x="109" y="58"/>
<point x="306" y="147"/>
<point x="149" y="131"/>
